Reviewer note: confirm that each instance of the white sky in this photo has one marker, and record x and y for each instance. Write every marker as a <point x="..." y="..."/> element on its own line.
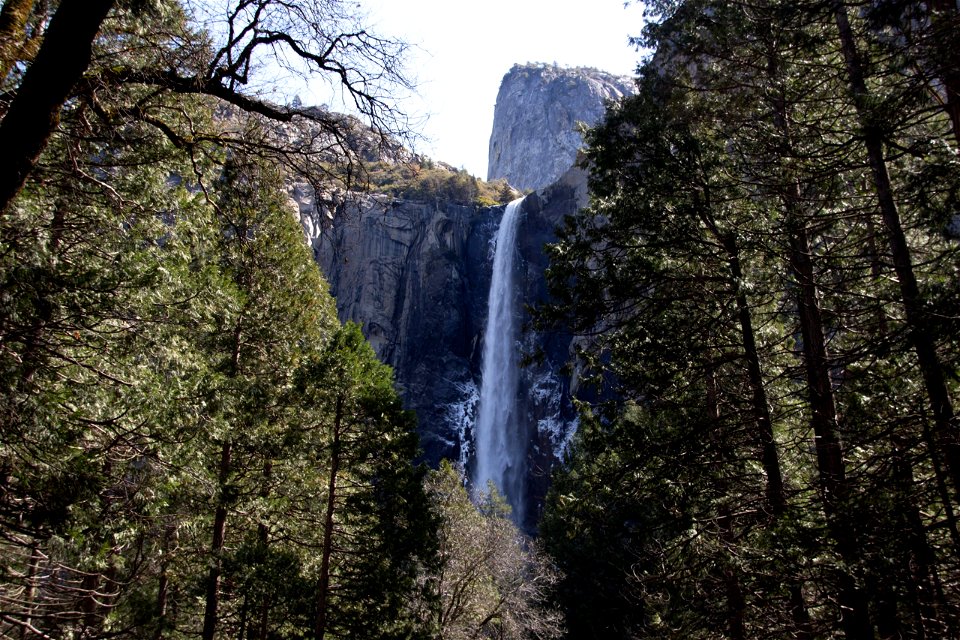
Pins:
<point x="465" y="48"/>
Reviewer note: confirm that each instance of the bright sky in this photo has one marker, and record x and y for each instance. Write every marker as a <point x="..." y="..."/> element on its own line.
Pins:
<point x="465" y="48"/>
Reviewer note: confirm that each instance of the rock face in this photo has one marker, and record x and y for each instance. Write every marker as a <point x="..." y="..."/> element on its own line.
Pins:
<point x="416" y="275"/>
<point x="535" y="135"/>
<point x="413" y="275"/>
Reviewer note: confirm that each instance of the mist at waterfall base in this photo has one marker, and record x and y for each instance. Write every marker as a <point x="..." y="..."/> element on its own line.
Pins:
<point x="500" y="440"/>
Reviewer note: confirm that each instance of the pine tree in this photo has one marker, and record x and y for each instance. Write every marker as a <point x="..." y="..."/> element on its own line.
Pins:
<point x="369" y="517"/>
<point x="743" y="115"/>
<point x="159" y="305"/>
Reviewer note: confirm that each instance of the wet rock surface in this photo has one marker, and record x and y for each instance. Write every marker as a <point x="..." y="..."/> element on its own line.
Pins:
<point x="416" y="276"/>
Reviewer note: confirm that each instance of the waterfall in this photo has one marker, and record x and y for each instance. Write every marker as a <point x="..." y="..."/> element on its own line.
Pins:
<point x="500" y="442"/>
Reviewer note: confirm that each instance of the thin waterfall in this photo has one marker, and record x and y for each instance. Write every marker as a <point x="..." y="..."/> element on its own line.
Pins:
<point x="500" y="443"/>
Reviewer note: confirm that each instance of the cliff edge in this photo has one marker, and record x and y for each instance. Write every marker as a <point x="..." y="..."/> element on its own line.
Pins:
<point x="535" y="136"/>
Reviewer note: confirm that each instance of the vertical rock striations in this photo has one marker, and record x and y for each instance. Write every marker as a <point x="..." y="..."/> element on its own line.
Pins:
<point x="412" y="274"/>
<point x="416" y="276"/>
<point x="535" y="135"/>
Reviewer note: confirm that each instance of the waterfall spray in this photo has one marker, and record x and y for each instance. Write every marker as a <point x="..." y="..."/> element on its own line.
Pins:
<point x="499" y="440"/>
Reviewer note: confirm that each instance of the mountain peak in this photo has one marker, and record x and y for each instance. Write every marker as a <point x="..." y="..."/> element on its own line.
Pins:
<point x="536" y="135"/>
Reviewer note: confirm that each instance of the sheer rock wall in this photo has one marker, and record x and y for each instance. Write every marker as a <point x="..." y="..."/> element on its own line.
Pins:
<point x="535" y="136"/>
<point x="416" y="275"/>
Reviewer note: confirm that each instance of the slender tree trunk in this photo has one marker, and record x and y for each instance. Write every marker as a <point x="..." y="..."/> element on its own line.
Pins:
<point x="736" y="602"/>
<point x="770" y="458"/>
<point x="163" y="595"/>
<point x="30" y="592"/>
<point x="803" y="625"/>
<point x="930" y="367"/>
<point x="216" y="548"/>
<point x="941" y="482"/>
<point x="920" y="557"/>
<point x="263" y="535"/>
<point x="946" y="618"/>
<point x="163" y="584"/>
<point x="220" y="514"/>
<point x="876" y="271"/>
<point x="817" y="365"/>
<point x="35" y="111"/>
<point x="88" y="603"/>
<point x="264" y="618"/>
<point x="829" y="451"/>
<point x="853" y="602"/>
<point x="323" y="596"/>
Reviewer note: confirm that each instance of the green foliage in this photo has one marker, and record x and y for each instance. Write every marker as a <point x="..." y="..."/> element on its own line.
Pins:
<point x="427" y="181"/>
<point x="734" y="230"/>
<point x="169" y="354"/>
<point x="381" y="529"/>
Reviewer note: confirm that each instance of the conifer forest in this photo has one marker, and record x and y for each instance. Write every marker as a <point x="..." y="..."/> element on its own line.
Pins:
<point x="765" y="288"/>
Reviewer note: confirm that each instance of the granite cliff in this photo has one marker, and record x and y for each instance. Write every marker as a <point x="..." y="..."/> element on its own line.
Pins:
<point x="536" y="136"/>
<point x="415" y="271"/>
<point x="415" y="275"/>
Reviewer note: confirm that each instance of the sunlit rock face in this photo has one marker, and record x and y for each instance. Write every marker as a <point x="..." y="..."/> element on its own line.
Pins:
<point x="535" y="135"/>
<point x="416" y="276"/>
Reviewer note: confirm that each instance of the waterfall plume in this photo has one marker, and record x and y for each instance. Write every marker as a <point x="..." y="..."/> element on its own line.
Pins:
<point x="500" y="442"/>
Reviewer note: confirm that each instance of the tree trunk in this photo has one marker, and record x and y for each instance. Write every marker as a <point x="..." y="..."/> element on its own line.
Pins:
<point x="920" y="557"/>
<point x="163" y="583"/>
<point x="328" y="522"/>
<point x="930" y="368"/>
<point x="817" y="365"/>
<point x="30" y="591"/>
<point x="803" y="625"/>
<point x="35" y="111"/>
<point x="770" y="458"/>
<point x="942" y="490"/>
<point x="736" y="602"/>
<point x="216" y="548"/>
<point x="876" y="271"/>
<point x="855" y="615"/>
<point x="163" y="594"/>
<point x="829" y="451"/>
<point x="263" y="536"/>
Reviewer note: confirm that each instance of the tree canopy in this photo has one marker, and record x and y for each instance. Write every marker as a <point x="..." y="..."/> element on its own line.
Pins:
<point x="768" y="273"/>
<point x="190" y="443"/>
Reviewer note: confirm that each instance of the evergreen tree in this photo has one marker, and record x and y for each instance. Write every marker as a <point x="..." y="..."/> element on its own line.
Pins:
<point x="369" y="518"/>
<point x="744" y="116"/>
<point x="159" y="311"/>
